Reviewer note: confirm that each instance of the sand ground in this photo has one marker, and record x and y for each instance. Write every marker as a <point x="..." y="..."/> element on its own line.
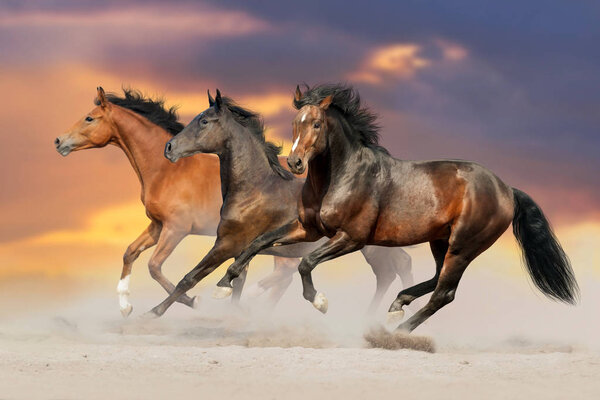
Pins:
<point x="67" y="357"/>
<point x="496" y="341"/>
<point x="55" y="369"/>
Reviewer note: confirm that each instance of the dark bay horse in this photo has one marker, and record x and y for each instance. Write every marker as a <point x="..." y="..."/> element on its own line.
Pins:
<point x="258" y="193"/>
<point x="357" y="194"/>
<point x="180" y="199"/>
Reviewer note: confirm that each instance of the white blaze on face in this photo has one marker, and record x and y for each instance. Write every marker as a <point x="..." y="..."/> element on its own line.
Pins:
<point x="123" y="291"/>
<point x="296" y="143"/>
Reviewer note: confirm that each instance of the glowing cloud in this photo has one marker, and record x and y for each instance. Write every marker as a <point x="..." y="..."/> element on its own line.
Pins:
<point x="400" y="61"/>
<point x="141" y="21"/>
<point x="452" y="51"/>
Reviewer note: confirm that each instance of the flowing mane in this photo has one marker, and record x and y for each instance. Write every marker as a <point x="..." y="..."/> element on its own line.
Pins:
<point x="153" y="110"/>
<point x="254" y="123"/>
<point x="347" y="101"/>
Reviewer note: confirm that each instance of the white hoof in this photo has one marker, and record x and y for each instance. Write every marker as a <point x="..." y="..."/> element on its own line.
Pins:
<point x="320" y="302"/>
<point x="394" y="317"/>
<point x="125" y="311"/>
<point x="222" y="292"/>
<point x="195" y="302"/>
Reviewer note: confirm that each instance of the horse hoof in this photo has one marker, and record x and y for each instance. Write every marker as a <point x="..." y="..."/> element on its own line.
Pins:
<point x="222" y="292"/>
<point x="150" y="315"/>
<point x="195" y="302"/>
<point x="320" y="302"/>
<point x="394" y="317"/>
<point x="126" y="310"/>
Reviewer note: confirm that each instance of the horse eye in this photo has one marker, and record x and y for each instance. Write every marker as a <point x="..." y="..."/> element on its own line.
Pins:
<point x="317" y="125"/>
<point x="89" y="119"/>
<point x="204" y="122"/>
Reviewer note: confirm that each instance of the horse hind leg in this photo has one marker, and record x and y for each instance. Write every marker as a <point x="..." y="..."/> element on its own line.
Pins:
<point x="445" y="290"/>
<point x="167" y="242"/>
<point x="280" y="280"/>
<point x="403" y="268"/>
<point x="382" y="264"/>
<point x="439" y="248"/>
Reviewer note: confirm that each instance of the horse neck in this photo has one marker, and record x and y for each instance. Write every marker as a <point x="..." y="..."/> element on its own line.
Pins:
<point x="328" y="166"/>
<point x="242" y="162"/>
<point x="142" y="142"/>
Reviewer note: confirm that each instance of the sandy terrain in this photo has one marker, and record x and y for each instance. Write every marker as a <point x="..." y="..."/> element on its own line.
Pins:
<point x="53" y="369"/>
<point x="498" y="340"/>
<point x="74" y="357"/>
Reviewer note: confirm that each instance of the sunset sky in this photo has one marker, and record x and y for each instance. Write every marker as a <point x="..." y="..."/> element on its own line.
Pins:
<point x="514" y="86"/>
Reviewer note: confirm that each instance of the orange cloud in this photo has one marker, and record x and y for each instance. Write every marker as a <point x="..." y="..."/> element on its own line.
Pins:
<point x="118" y="225"/>
<point x="452" y="51"/>
<point x="400" y="61"/>
<point x="142" y="21"/>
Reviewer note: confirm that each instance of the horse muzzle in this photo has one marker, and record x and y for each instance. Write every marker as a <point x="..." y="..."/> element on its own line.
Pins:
<point x="64" y="147"/>
<point x="296" y="164"/>
<point x="169" y="153"/>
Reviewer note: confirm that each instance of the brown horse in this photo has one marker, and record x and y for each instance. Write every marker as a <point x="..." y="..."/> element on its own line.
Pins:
<point x="180" y="199"/>
<point x="258" y="193"/>
<point x="357" y="194"/>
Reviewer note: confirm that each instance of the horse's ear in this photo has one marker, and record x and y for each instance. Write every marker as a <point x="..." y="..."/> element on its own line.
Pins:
<point x="101" y="97"/>
<point x="298" y="94"/>
<point x="218" y="101"/>
<point x="211" y="101"/>
<point x="326" y="102"/>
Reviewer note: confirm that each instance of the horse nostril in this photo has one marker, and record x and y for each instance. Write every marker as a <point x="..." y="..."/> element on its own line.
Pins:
<point x="57" y="142"/>
<point x="298" y="163"/>
<point x="168" y="148"/>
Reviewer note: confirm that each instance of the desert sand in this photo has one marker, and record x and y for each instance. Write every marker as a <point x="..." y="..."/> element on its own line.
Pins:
<point x="496" y="341"/>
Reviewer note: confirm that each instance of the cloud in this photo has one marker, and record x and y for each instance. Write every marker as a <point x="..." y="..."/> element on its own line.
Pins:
<point x="116" y="225"/>
<point x="267" y="104"/>
<point x="399" y="61"/>
<point x="452" y="51"/>
<point x="139" y="21"/>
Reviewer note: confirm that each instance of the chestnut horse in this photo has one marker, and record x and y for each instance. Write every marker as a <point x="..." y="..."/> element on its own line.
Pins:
<point x="357" y="194"/>
<point x="180" y="199"/>
<point x="258" y="193"/>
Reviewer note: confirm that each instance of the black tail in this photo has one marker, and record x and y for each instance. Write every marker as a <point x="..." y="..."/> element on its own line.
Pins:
<point x="546" y="261"/>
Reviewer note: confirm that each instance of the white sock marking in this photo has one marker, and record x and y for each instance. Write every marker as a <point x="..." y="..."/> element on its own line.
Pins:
<point x="123" y="291"/>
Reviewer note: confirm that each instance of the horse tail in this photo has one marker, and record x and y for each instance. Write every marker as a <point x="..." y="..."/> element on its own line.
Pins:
<point x="546" y="261"/>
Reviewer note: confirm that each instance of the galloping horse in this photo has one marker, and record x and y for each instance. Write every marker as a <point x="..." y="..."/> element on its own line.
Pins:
<point x="357" y="194"/>
<point x="180" y="199"/>
<point x="258" y="193"/>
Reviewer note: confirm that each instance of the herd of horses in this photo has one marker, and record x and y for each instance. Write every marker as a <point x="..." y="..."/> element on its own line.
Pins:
<point x="351" y="194"/>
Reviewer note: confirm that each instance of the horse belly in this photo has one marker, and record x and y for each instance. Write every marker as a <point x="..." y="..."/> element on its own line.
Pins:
<point x="408" y="227"/>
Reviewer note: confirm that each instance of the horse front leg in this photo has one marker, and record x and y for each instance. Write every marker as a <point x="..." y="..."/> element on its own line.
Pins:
<point x="147" y="239"/>
<point x="287" y="234"/>
<point x="337" y="246"/>
<point x="215" y="257"/>
<point x="238" y="286"/>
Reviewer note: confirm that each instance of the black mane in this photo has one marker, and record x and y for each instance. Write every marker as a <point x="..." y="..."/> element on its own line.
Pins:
<point x="254" y="123"/>
<point x="347" y="101"/>
<point x="153" y="110"/>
